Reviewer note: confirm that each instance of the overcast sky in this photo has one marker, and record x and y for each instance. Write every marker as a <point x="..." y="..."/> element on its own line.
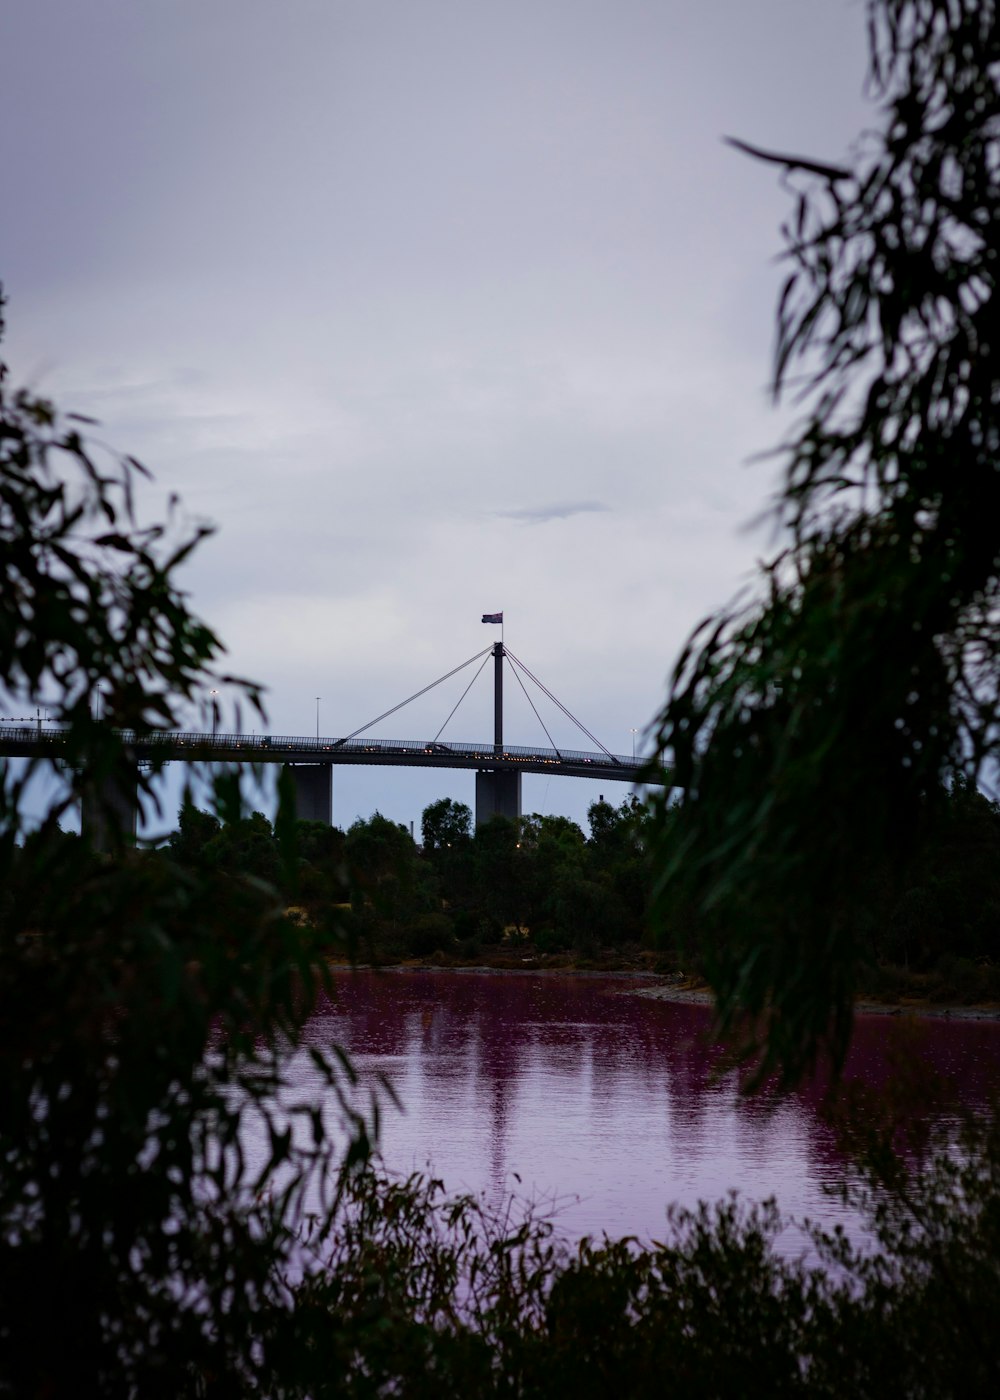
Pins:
<point x="435" y="307"/>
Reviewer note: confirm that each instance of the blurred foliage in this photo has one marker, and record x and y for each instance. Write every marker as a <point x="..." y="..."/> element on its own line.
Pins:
<point x="148" y="1006"/>
<point x="430" y="1295"/>
<point x="814" y="733"/>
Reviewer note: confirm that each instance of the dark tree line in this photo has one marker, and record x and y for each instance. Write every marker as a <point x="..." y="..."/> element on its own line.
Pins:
<point x="537" y="882"/>
<point x="930" y="927"/>
<point x="540" y="877"/>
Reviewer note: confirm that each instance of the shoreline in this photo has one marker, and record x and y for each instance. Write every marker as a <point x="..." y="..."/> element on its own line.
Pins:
<point x="667" y="987"/>
<point x="701" y="996"/>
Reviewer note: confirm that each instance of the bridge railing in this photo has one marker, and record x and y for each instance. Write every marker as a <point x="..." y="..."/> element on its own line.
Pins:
<point x="248" y="745"/>
<point x="323" y="746"/>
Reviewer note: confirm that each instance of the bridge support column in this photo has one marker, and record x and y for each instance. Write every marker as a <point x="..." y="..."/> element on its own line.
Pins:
<point x="498" y="794"/>
<point x="111" y="807"/>
<point x="313" y="784"/>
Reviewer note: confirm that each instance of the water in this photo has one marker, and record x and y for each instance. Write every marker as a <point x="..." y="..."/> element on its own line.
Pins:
<point x="598" y="1104"/>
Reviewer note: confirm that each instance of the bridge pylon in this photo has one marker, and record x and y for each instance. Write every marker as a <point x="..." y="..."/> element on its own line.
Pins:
<point x="109" y="805"/>
<point x="498" y="793"/>
<point x="498" y="656"/>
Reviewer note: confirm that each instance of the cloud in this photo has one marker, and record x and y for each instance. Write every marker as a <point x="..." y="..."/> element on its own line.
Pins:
<point x="488" y="289"/>
<point x="539" y="515"/>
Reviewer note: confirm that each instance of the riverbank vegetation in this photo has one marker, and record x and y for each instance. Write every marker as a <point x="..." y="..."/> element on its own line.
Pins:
<point x="421" y="1294"/>
<point x="537" y="885"/>
<point x="541" y="892"/>
<point x="827" y="742"/>
<point x="815" y="730"/>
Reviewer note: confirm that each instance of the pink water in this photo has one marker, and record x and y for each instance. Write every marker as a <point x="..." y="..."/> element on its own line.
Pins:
<point x="573" y="1092"/>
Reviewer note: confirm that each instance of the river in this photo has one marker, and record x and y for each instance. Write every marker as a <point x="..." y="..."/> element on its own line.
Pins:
<point x="597" y="1104"/>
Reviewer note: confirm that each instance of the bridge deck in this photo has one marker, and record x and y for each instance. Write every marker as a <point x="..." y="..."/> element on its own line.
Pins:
<point x="28" y="741"/>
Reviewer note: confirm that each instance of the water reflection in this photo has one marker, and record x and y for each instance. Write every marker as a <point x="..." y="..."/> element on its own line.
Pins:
<point x="604" y="1103"/>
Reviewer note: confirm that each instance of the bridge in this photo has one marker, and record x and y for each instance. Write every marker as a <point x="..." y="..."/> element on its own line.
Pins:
<point x="310" y="761"/>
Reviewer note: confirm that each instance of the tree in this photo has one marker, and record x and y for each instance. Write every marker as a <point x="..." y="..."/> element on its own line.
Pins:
<point x="246" y="846"/>
<point x="502" y="872"/>
<point x="148" y="1007"/>
<point x="617" y="832"/>
<point x="382" y="860"/>
<point x="320" y="882"/>
<point x="195" y="831"/>
<point x="813" y="734"/>
<point x="446" y="824"/>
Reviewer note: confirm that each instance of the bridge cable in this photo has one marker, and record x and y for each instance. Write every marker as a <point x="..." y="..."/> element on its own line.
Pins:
<point x="417" y="696"/>
<point x="531" y="702"/>
<point x="545" y="691"/>
<point x="462" y="696"/>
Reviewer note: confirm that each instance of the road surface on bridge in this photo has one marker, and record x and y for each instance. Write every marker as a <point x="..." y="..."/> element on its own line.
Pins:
<point x="29" y="741"/>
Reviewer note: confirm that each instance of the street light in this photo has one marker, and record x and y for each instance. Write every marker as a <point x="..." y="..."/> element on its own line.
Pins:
<point x="215" y="711"/>
<point x="633" y="732"/>
<point x="318" y="699"/>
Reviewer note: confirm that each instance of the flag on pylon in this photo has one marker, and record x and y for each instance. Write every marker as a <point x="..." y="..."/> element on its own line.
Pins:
<point x="493" y="617"/>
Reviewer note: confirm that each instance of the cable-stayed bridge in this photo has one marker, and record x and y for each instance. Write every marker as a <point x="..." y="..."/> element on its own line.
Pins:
<point x="310" y="761"/>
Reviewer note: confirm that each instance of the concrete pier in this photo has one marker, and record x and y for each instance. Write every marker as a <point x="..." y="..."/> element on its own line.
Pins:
<point x="109" y="809"/>
<point x="313" y="791"/>
<point x="498" y="794"/>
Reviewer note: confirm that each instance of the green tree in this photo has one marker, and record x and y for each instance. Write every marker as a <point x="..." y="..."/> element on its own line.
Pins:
<point x="148" y="1006"/>
<point x="502" y="873"/>
<point x="246" y="846"/>
<point x="321" y="879"/>
<point x="446" y="824"/>
<point x="604" y="821"/>
<point x="195" y="831"/>
<point x="551" y="856"/>
<point x="617" y="833"/>
<point x="448" y="852"/>
<point x="813" y="734"/>
<point x="618" y="861"/>
<point x="383" y="863"/>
